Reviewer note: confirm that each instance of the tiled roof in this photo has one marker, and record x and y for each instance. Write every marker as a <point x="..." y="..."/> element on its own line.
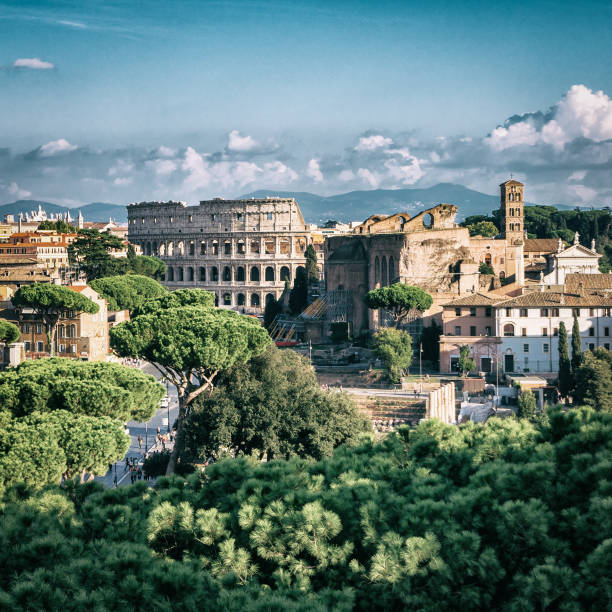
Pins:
<point x="476" y="299"/>
<point x="541" y="245"/>
<point x="556" y="299"/>
<point x="589" y="281"/>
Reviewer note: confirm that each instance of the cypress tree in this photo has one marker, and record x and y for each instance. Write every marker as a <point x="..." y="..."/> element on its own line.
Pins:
<point x="565" y="373"/>
<point x="312" y="269"/>
<point x="576" y="348"/>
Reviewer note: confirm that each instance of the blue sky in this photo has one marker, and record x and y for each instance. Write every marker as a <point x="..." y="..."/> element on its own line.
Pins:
<point x="241" y="95"/>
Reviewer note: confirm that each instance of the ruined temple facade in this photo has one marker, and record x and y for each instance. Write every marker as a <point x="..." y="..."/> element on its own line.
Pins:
<point x="241" y="250"/>
<point x="428" y="250"/>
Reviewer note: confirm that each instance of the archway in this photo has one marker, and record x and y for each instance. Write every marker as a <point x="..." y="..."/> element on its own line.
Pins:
<point x="269" y="273"/>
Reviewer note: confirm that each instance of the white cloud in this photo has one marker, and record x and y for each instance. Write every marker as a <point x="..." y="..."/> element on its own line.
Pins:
<point x="121" y="167"/>
<point x="32" y="63"/>
<point x="373" y="142"/>
<point x="407" y="174"/>
<point x="239" y="143"/>
<point x="162" y="167"/>
<point x="435" y="158"/>
<point x="522" y="133"/>
<point x="20" y="194"/>
<point x="368" y="177"/>
<point x="197" y="169"/>
<point x="164" y="151"/>
<point x="346" y="175"/>
<point x="577" y="176"/>
<point x="73" y="24"/>
<point x="277" y="172"/>
<point x="583" y="112"/>
<point x="122" y="181"/>
<point x="56" y="147"/>
<point x="314" y="171"/>
<point x="586" y="194"/>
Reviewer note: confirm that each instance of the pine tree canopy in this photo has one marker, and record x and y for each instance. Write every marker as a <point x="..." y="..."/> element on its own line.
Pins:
<point x="509" y="515"/>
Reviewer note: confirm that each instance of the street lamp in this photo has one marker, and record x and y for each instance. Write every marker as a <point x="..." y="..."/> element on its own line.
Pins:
<point x="168" y="402"/>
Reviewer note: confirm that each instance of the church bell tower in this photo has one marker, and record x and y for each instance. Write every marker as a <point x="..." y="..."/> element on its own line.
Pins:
<point x="512" y="211"/>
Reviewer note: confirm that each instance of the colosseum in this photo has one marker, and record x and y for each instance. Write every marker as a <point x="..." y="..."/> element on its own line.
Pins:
<point x="242" y="250"/>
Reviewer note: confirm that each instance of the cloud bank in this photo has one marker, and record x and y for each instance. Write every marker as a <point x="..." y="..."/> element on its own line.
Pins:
<point x="563" y="154"/>
<point x="33" y="63"/>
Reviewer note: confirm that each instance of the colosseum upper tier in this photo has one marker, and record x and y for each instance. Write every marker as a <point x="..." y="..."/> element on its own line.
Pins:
<point x="242" y="250"/>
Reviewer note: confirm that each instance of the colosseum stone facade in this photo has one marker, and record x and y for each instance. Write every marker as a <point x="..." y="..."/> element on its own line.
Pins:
<point x="242" y="250"/>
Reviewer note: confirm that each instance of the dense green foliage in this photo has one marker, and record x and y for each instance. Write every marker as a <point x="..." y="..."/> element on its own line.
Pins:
<point x="91" y="253"/>
<point x="503" y="516"/>
<point x="59" y="226"/>
<point x="128" y="292"/>
<point x="594" y="380"/>
<point x="189" y="346"/>
<point x="298" y="298"/>
<point x="51" y="302"/>
<point x="177" y="299"/>
<point x="60" y="417"/>
<point x="274" y="407"/>
<point x="9" y="332"/>
<point x="394" y="348"/>
<point x="549" y="222"/>
<point x="485" y="268"/>
<point x="146" y="265"/>
<point x="83" y="387"/>
<point x="481" y="228"/>
<point x="400" y="300"/>
<point x="272" y="310"/>
<point x="466" y="363"/>
<point x="312" y="268"/>
<point x="526" y="405"/>
<point x="576" y="360"/>
<point x="565" y="380"/>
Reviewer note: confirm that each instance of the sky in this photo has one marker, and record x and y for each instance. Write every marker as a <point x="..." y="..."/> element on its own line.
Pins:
<point x="186" y="100"/>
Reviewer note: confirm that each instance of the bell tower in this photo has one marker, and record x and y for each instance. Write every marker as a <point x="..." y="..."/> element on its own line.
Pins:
<point x="512" y="210"/>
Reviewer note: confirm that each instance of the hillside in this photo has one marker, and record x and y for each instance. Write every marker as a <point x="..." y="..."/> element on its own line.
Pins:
<point x="96" y="211"/>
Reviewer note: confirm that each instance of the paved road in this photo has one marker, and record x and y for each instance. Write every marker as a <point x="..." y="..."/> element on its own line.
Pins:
<point x="147" y="431"/>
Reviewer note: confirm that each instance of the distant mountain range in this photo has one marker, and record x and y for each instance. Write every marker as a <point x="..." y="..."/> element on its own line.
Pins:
<point x="352" y="206"/>
<point x="96" y="211"/>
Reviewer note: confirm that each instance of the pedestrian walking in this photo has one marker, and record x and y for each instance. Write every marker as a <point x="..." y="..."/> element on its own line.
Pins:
<point x="158" y="431"/>
<point x="127" y="463"/>
<point x="139" y="474"/>
<point x="139" y="441"/>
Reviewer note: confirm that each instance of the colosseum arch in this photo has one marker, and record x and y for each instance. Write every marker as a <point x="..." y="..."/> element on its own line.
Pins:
<point x="202" y="276"/>
<point x="162" y="250"/>
<point x="203" y="247"/>
<point x="227" y="274"/>
<point x="227" y="247"/>
<point x="190" y="277"/>
<point x="241" y="300"/>
<point x="179" y="275"/>
<point x="191" y="248"/>
<point x="227" y="299"/>
<point x="214" y="274"/>
<point x="285" y="273"/>
<point x="376" y="271"/>
<point x="170" y="273"/>
<point x="391" y="269"/>
<point x="254" y="276"/>
<point x="170" y="248"/>
<point x="240" y="274"/>
<point x="269" y="274"/>
<point x="215" y="247"/>
<point x="255" y="246"/>
<point x="255" y="300"/>
<point x="383" y="272"/>
<point x="270" y="297"/>
<point x="240" y="247"/>
<point x="180" y="247"/>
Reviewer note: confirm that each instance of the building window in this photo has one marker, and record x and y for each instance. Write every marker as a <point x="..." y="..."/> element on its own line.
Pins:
<point x="606" y="331"/>
<point x="508" y="312"/>
<point x="523" y="331"/>
<point x="227" y="247"/>
<point x="227" y="299"/>
<point x="241" y="299"/>
<point x="26" y="328"/>
<point x="227" y="274"/>
<point x="255" y="300"/>
<point x="488" y="311"/>
<point x="508" y="329"/>
<point x="543" y="312"/>
<point x="607" y="312"/>
<point x="591" y="331"/>
<point x="240" y="274"/>
<point x="555" y="312"/>
<point x="27" y="346"/>
<point x="269" y="216"/>
<point x="73" y="348"/>
<point x="591" y="312"/>
<point x="213" y="217"/>
<point x="545" y="347"/>
<point x="606" y="346"/>
<point x="591" y="347"/>
<point x="472" y="330"/>
<point x="555" y="331"/>
<point x="190" y="218"/>
<point x="214" y="274"/>
<point x="457" y="330"/>
<point x="285" y="274"/>
<point x="40" y="347"/>
<point x="269" y="274"/>
<point x="457" y="312"/>
<point x="254" y="276"/>
<point x="525" y="348"/>
<point x="544" y="331"/>
<point x="576" y="312"/>
<point x="487" y="330"/>
<point x="472" y="311"/>
<point x="524" y="312"/>
<point x="62" y="348"/>
<point x="202" y="274"/>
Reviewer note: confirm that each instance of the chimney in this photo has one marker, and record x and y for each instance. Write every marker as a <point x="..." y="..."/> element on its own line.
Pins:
<point x="581" y="288"/>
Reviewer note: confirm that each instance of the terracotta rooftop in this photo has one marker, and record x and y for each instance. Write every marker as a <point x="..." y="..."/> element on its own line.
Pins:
<point x="541" y="245"/>
<point x="556" y="299"/>
<point x="590" y="282"/>
<point x="476" y="299"/>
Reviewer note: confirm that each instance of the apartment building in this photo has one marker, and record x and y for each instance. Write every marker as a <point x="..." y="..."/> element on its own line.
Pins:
<point x="79" y="335"/>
